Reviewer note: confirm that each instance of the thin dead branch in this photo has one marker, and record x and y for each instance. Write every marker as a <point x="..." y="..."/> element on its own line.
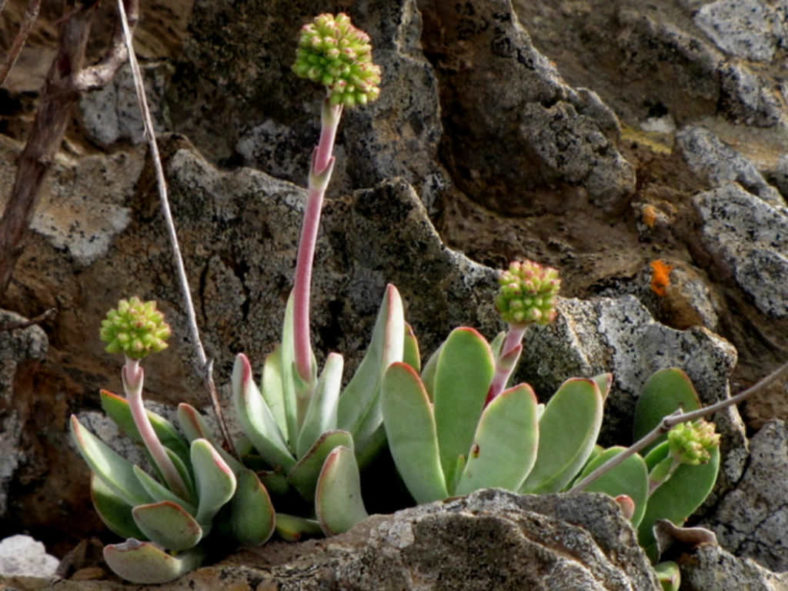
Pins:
<point x="59" y="95"/>
<point x="45" y="315"/>
<point x="28" y="20"/>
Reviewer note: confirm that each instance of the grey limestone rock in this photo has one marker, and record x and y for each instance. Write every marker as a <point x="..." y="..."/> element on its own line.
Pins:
<point x="718" y="163"/>
<point x="22" y="555"/>
<point x="748" y="240"/>
<point x="752" y="519"/>
<point x="16" y="347"/>
<point x="510" y="118"/>
<point x="712" y="567"/>
<point x="750" y="29"/>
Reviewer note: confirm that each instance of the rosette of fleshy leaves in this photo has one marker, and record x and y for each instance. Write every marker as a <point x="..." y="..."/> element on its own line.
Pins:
<point x="528" y="293"/>
<point x="195" y="489"/>
<point x="135" y="328"/>
<point x="334" y="53"/>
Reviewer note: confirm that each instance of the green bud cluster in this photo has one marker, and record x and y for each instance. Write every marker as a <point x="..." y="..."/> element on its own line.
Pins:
<point x="334" y="53"/>
<point x="135" y="328"/>
<point x="528" y="292"/>
<point x="691" y="443"/>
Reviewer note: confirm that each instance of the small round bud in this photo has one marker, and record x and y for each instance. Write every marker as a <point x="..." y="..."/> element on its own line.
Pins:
<point x="691" y="443"/>
<point x="135" y="328"/>
<point x="332" y="52"/>
<point x="527" y="294"/>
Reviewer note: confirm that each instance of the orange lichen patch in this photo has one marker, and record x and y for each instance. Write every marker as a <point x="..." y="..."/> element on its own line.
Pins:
<point x="649" y="215"/>
<point x="660" y="277"/>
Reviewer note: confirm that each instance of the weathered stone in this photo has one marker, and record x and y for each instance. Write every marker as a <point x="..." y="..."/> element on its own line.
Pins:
<point x="22" y="555"/>
<point x="752" y="519"/>
<point x="491" y="539"/>
<point x="750" y="29"/>
<point x="620" y="336"/>
<point x="711" y="567"/>
<point x="718" y="163"/>
<point x="17" y="347"/>
<point x="748" y="239"/>
<point x="511" y="120"/>
<point x="236" y="98"/>
<point x="112" y="113"/>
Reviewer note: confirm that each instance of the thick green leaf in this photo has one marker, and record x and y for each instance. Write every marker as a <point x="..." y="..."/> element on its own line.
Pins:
<point x="275" y="482"/>
<point x="255" y="417"/>
<point x="497" y="344"/>
<point x="292" y="528"/>
<point x="273" y="389"/>
<point x="215" y="480"/>
<point x="678" y="497"/>
<point x="113" y="510"/>
<point x="305" y="473"/>
<point x="159" y="492"/>
<point x="568" y="429"/>
<point x="412" y="434"/>
<point x="629" y="478"/>
<point x="359" y="404"/>
<point x="252" y="514"/>
<point x="117" y="408"/>
<point x="410" y="353"/>
<point x="116" y="472"/>
<point x="505" y="444"/>
<point x="145" y="563"/>
<point x="168" y="524"/>
<point x="338" y="501"/>
<point x="605" y="382"/>
<point x="429" y="370"/>
<point x="291" y="382"/>
<point x="194" y="427"/>
<point x="664" y="392"/>
<point x="321" y="414"/>
<point x="463" y="374"/>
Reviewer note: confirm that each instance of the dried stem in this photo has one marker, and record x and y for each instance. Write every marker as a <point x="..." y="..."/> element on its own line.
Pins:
<point x="670" y="421"/>
<point x="28" y="20"/>
<point x="24" y="324"/>
<point x="60" y="93"/>
<point x="205" y="365"/>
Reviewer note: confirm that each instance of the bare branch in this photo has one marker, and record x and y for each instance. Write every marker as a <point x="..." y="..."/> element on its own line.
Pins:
<point x="99" y="75"/>
<point x="35" y="320"/>
<point x="205" y="368"/>
<point x="670" y="421"/>
<point x="28" y="20"/>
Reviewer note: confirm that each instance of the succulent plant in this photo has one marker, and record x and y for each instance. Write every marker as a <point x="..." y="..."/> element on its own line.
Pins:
<point x="176" y="509"/>
<point x="451" y="431"/>
<point x="312" y="436"/>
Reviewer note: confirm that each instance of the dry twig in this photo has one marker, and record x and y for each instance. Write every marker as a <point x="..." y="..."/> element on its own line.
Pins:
<point x="205" y="368"/>
<point x="25" y="323"/>
<point x="28" y="20"/>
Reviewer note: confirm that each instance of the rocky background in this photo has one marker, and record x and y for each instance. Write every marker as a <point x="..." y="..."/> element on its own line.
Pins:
<point x="597" y="136"/>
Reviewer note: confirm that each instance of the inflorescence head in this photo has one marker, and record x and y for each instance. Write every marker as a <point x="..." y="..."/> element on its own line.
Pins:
<point x="135" y="328"/>
<point x="691" y="443"/>
<point x="528" y="293"/>
<point x="336" y="54"/>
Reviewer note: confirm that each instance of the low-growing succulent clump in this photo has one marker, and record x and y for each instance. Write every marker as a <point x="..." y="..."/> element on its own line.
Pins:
<point x="453" y="425"/>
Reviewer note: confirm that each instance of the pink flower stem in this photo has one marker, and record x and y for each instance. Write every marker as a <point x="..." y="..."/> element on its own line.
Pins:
<point x="507" y="360"/>
<point x="319" y="176"/>
<point x="133" y="378"/>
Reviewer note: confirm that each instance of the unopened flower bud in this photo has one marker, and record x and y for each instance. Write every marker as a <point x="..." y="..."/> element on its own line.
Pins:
<point x="332" y="52"/>
<point x="691" y="443"/>
<point x="528" y="292"/>
<point x="135" y="328"/>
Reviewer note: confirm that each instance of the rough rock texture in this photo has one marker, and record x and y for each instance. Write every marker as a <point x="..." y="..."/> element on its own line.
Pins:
<point x="20" y="351"/>
<point x="550" y="133"/>
<point x="491" y="539"/>
<point x="748" y="239"/>
<point x="711" y="567"/>
<point x="22" y="555"/>
<point x="233" y="95"/>
<point x="752" y="520"/>
<point x="619" y="335"/>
